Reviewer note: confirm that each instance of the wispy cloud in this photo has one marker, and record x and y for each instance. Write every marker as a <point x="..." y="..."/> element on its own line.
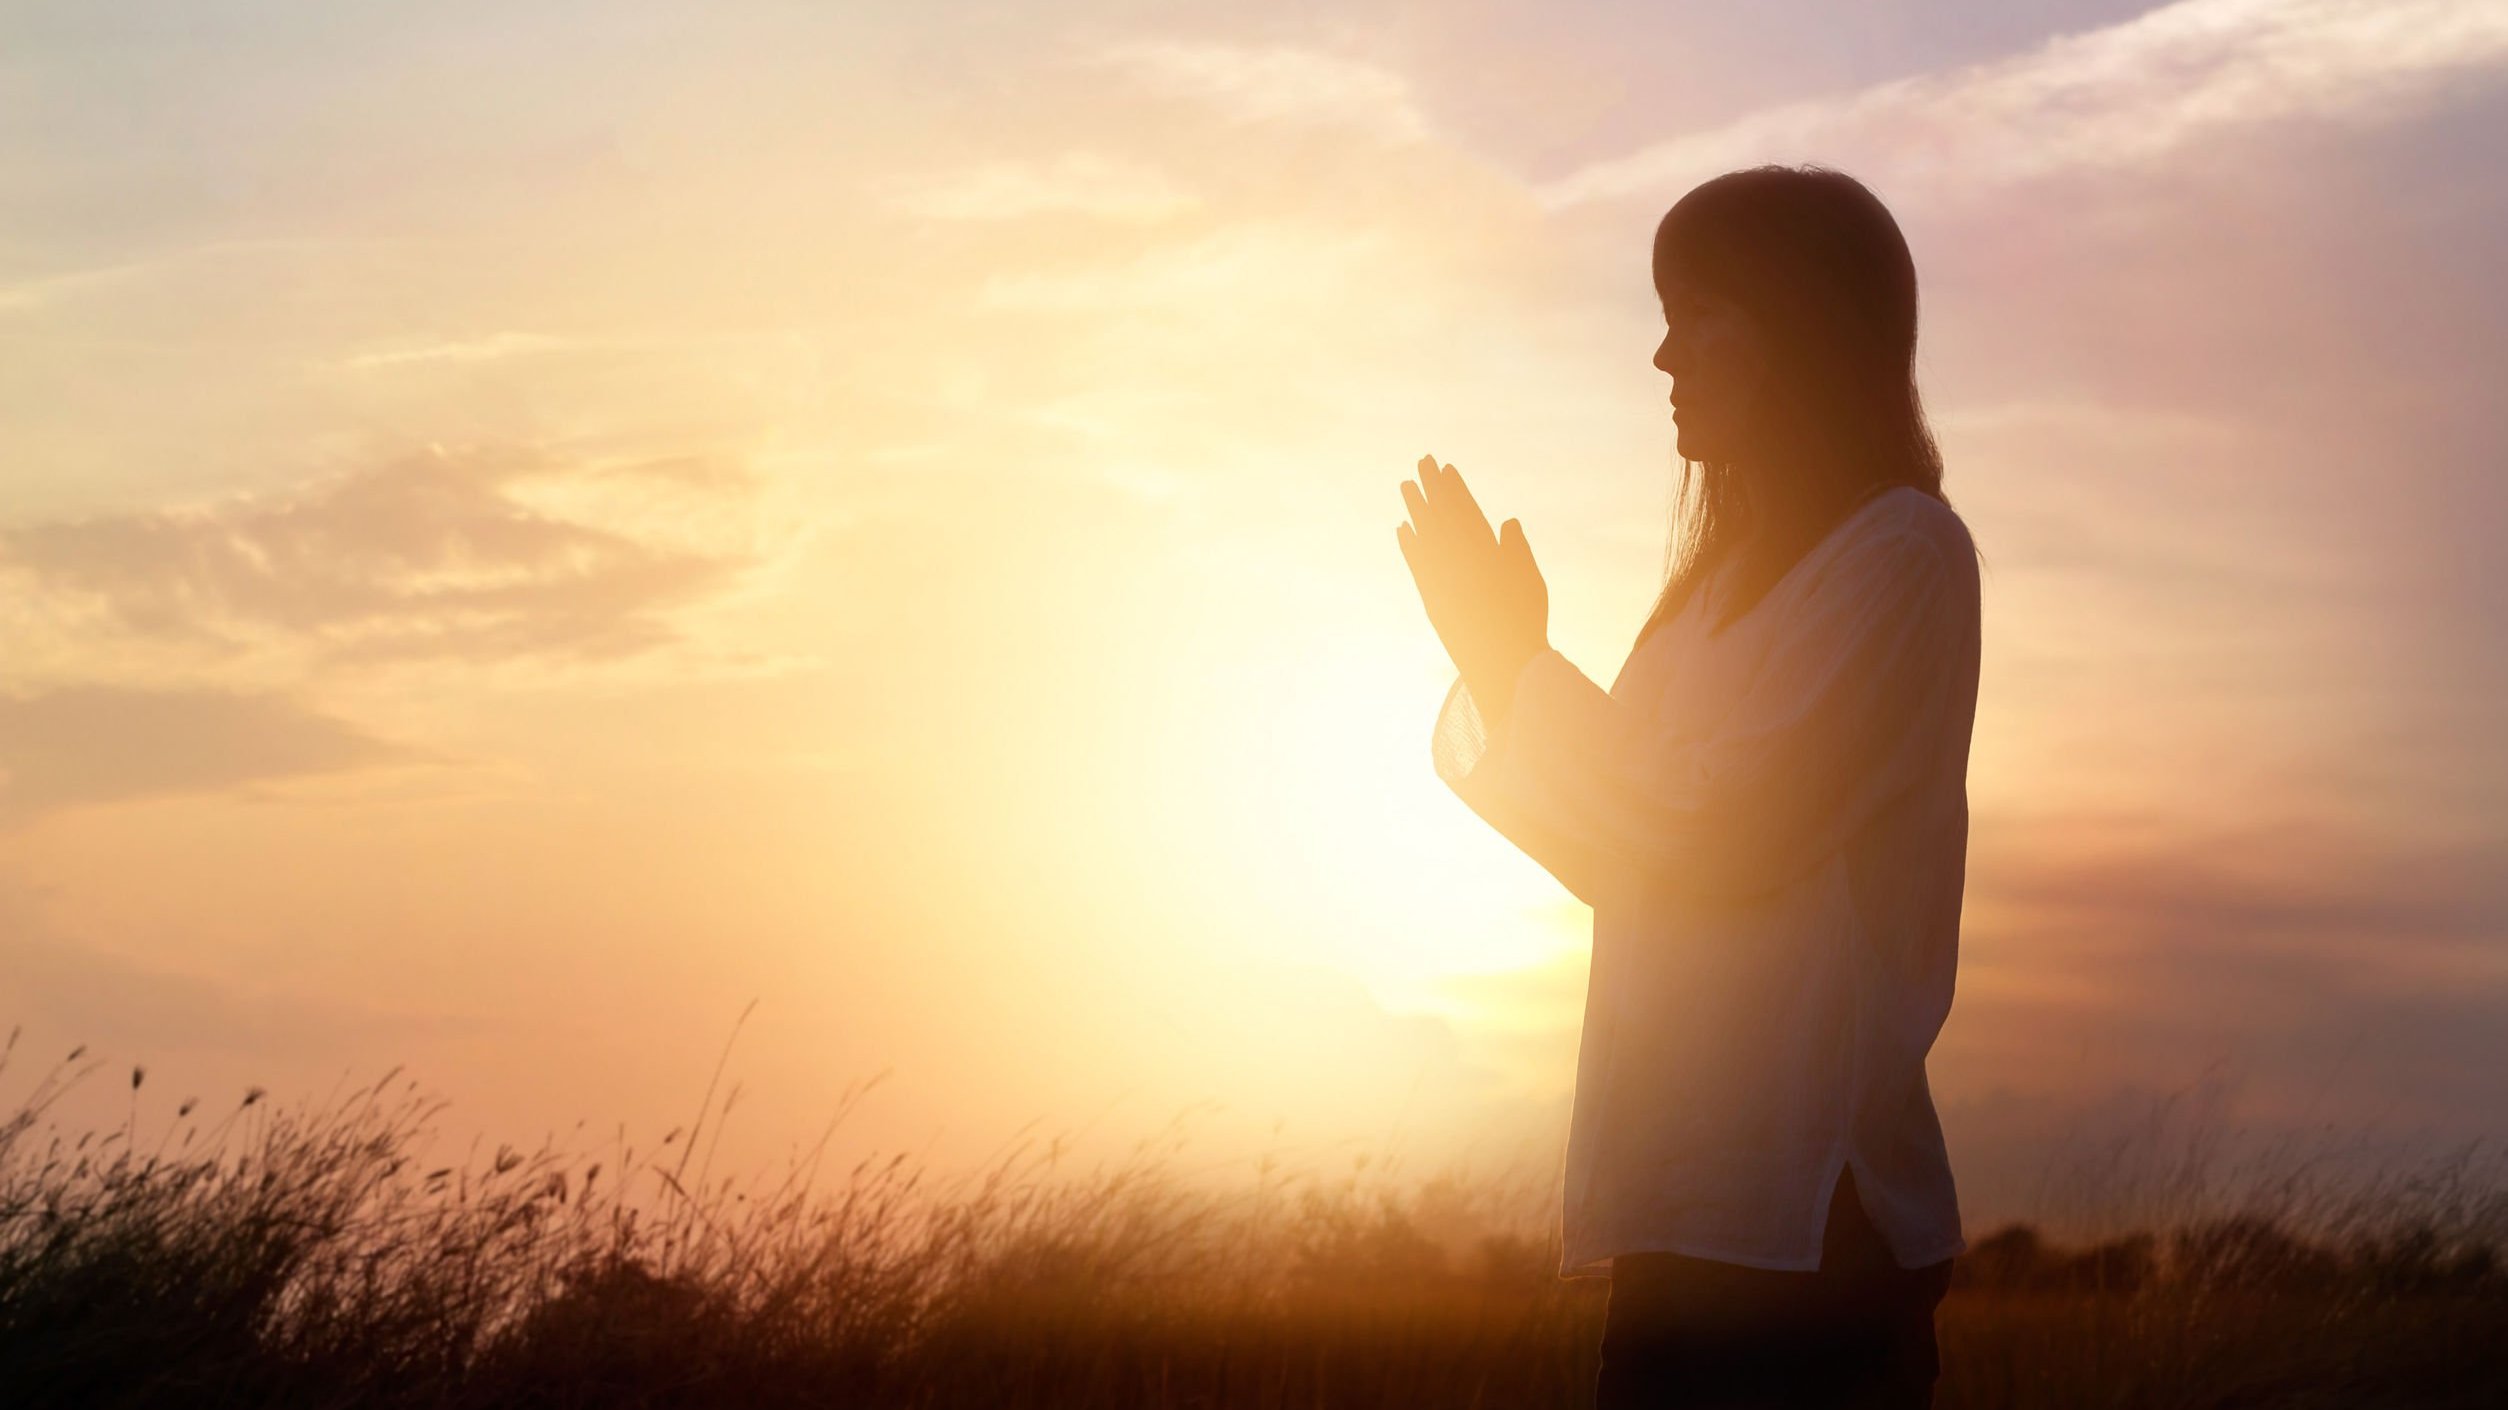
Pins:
<point x="480" y="555"/>
<point x="2111" y="97"/>
<point x="110" y="1000"/>
<point x="46" y="290"/>
<point x="1210" y="273"/>
<point x="2300" y="893"/>
<point x="1278" y="84"/>
<point x="487" y="348"/>
<point x="2160" y="942"/>
<point x="100" y="744"/>
<point x="1080" y="183"/>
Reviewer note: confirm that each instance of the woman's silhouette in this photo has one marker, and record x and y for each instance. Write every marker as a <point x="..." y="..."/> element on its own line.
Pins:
<point x="1767" y="812"/>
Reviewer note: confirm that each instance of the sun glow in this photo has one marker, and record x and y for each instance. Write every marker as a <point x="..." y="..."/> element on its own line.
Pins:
<point x="1326" y="813"/>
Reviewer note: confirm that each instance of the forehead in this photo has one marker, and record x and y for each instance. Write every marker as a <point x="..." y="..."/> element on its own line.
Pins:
<point x="1669" y="285"/>
<point x="1673" y="277"/>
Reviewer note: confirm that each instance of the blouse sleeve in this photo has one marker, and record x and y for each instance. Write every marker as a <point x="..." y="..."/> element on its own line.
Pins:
<point x="1842" y="716"/>
<point x="1462" y="746"/>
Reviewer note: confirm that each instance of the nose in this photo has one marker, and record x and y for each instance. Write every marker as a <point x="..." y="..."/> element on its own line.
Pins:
<point x="1663" y="356"/>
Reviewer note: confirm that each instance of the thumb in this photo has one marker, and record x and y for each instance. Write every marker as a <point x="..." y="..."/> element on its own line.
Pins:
<point x="1511" y="539"/>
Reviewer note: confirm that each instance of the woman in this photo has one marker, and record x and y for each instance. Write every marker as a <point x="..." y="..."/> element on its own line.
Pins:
<point x="1767" y="812"/>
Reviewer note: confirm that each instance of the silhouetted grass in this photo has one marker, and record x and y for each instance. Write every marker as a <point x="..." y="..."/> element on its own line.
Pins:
<point x="268" y="1255"/>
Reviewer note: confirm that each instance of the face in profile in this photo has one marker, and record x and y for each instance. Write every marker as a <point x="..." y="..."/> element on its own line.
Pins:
<point x="1716" y="352"/>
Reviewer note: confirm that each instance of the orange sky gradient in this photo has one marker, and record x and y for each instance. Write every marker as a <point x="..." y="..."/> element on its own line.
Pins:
<point x="529" y="526"/>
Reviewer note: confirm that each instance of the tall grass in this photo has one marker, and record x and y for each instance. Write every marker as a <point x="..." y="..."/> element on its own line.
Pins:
<point x="269" y="1254"/>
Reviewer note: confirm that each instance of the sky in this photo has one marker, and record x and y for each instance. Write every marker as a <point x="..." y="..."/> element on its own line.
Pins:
<point x="527" y="527"/>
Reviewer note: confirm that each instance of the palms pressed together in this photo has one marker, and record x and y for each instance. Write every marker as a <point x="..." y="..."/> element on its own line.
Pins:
<point x="1484" y="595"/>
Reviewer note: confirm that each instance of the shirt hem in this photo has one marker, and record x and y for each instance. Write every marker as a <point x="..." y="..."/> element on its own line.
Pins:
<point x="1602" y="1262"/>
<point x="1599" y="1266"/>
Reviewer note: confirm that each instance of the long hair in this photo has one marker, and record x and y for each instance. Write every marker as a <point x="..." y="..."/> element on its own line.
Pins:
<point x="1816" y="257"/>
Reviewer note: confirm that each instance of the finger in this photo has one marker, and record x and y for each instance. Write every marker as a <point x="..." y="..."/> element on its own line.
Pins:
<point x="1464" y="507"/>
<point x="1409" y="544"/>
<point x="1434" y="479"/>
<point x="1416" y="500"/>
<point x="1523" y="551"/>
<point x="1415" y="554"/>
<point x="1433" y="496"/>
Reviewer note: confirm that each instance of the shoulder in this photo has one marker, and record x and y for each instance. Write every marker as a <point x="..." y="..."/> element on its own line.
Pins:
<point x="1902" y="551"/>
<point x="1904" y="526"/>
<point x="1905" y="511"/>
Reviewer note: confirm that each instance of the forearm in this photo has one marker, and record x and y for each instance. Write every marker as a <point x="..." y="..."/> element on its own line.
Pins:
<point x="1842" y="714"/>
<point x="1492" y="684"/>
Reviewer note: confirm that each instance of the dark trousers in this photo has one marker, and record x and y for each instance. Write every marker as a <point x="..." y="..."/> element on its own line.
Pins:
<point x="1685" y="1331"/>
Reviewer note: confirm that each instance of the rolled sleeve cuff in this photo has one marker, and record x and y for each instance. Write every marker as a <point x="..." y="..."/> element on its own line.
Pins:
<point x="1557" y="716"/>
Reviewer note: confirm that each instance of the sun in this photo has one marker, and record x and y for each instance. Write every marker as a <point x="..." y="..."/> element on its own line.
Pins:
<point x="1330" y="828"/>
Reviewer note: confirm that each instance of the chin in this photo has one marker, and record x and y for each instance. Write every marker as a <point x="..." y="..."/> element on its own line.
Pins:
<point x="1695" y="442"/>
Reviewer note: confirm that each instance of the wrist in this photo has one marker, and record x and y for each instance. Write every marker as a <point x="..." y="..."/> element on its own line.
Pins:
<point x="1503" y="666"/>
<point x="1492" y="682"/>
<point x="1524" y="657"/>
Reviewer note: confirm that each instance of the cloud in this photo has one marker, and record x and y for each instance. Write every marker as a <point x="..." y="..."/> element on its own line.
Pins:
<point x="2113" y="97"/>
<point x="1075" y="183"/>
<point x="2270" y="945"/>
<point x="2296" y="884"/>
<point x="101" y="744"/>
<point x="2275" y="944"/>
<point x="60" y="287"/>
<point x="1289" y="261"/>
<point x="132" y="1006"/>
<point x="47" y="289"/>
<point x="482" y="555"/>
<point x="492" y="347"/>
<point x="1278" y="84"/>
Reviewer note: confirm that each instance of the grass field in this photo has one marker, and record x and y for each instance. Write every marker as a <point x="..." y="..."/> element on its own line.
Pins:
<point x="268" y="1254"/>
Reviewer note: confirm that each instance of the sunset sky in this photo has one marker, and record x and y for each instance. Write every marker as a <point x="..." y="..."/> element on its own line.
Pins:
<point x="529" y="525"/>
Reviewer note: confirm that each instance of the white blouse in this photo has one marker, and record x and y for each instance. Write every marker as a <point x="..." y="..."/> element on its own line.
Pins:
<point x="1771" y="825"/>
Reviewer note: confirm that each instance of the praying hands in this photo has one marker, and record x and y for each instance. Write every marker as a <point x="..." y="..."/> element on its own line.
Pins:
<point x="1483" y="593"/>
